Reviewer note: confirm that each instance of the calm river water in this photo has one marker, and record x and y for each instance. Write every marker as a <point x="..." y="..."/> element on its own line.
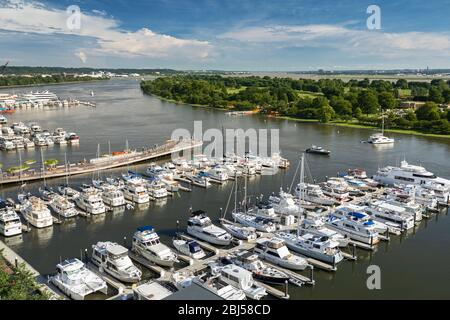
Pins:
<point x="412" y="266"/>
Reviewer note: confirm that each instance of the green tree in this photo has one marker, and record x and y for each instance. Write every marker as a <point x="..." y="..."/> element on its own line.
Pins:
<point x="435" y="95"/>
<point x="387" y="100"/>
<point x="326" y="113"/>
<point x="429" y="111"/>
<point x="341" y="106"/>
<point x="368" y="101"/>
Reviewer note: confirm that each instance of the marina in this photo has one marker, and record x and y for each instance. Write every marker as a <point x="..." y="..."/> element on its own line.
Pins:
<point x="164" y="215"/>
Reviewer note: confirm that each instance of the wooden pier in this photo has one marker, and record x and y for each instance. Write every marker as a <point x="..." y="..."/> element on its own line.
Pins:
<point x="98" y="164"/>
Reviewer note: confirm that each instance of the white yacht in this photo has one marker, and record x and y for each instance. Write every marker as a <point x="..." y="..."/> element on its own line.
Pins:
<point x="189" y="248"/>
<point x="3" y="119"/>
<point x="112" y="196"/>
<point x="240" y="232"/>
<point x="313" y="193"/>
<point x="40" y="141"/>
<point x="147" y="244"/>
<point x="63" y="206"/>
<point x="356" y="229"/>
<point x="113" y="259"/>
<point x="380" y="138"/>
<point x="36" y="212"/>
<point x="413" y="174"/>
<point x="218" y="173"/>
<point x="218" y="286"/>
<point x="284" y="204"/>
<point x="200" y="226"/>
<point x="335" y="188"/>
<point x="136" y="191"/>
<point x="242" y="279"/>
<point x="275" y="251"/>
<point x="28" y="143"/>
<point x="351" y="211"/>
<point x="6" y="144"/>
<point x="315" y="224"/>
<point x="157" y="189"/>
<point x="90" y="201"/>
<point x="259" y="223"/>
<point x="318" y="247"/>
<point x="76" y="281"/>
<point x="385" y="212"/>
<point x="10" y="224"/>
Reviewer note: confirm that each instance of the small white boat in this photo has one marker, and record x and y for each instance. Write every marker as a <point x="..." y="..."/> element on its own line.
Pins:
<point x="189" y="248"/>
<point x="240" y="232"/>
<point x="76" y="281"/>
<point x="90" y="200"/>
<point x="259" y="223"/>
<point x="200" y="226"/>
<point x="63" y="206"/>
<point x="10" y="224"/>
<point x="153" y="290"/>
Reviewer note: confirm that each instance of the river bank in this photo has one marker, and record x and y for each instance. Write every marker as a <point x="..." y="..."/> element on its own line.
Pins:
<point x="50" y="84"/>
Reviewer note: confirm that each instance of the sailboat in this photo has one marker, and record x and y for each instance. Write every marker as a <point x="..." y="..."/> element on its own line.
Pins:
<point x="380" y="138"/>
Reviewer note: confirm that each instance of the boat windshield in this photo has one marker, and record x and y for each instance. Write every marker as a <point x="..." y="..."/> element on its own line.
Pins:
<point x="194" y="247"/>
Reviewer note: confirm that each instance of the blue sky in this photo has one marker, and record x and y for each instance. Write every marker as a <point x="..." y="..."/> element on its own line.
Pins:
<point x="226" y="34"/>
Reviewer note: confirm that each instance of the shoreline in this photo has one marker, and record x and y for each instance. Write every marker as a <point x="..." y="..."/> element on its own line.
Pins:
<point x="316" y="121"/>
<point x="50" y="84"/>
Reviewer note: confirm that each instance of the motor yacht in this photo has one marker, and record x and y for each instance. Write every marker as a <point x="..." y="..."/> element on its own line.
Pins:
<point x="90" y="200"/>
<point x="315" y="224"/>
<point x="355" y="229"/>
<point x="218" y="286"/>
<point x="147" y="244"/>
<point x="259" y="223"/>
<point x="157" y="189"/>
<point x="76" y="281"/>
<point x="190" y="248"/>
<point x="200" y="226"/>
<point x="275" y="251"/>
<point x="240" y="232"/>
<point x="153" y="290"/>
<point x="385" y="212"/>
<point x="284" y="204"/>
<point x="63" y="207"/>
<point x="10" y="224"/>
<point x="313" y="193"/>
<point x="136" y="191"/>
<point x="113" y="259"/>
<point x="335" y="188"/>
<point x="318" y="150"/>
<point x="35" y="212"/>
<point x="112" y="196"/>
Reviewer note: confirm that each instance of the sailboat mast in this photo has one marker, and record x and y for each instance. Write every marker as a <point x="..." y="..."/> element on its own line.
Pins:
<point x="235" y="191"/>
<point x="43" y="167"/>
<point x="300" y="194"/>
<point x="66" y="167"/>
<point x="245" y="193"/>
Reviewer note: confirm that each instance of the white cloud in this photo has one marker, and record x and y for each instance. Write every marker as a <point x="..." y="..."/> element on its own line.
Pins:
<point x="82" y="56"/>
<point x="343" y="38"/>
<point x="34" y="17"/>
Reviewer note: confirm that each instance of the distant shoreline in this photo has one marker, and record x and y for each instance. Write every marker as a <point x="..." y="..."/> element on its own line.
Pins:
<point x="50" y="84"/>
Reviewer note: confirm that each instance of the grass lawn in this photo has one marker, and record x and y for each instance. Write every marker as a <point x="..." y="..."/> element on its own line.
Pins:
<point x="235" y="90"/>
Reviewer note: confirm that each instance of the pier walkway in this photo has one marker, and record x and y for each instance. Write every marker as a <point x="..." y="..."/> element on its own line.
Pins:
<point x="102" y="163"/>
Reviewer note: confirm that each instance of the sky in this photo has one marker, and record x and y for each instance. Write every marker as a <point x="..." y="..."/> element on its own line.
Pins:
<point x="250" y="35"/>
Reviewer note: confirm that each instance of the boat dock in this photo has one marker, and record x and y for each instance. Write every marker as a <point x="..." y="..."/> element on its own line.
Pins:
<point x="94" y="165"/>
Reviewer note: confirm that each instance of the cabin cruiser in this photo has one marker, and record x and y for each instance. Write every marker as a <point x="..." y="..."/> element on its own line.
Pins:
<point x="136" y="191"/>
<point x="76" y="281"/>
<point x="356" y="229"/>
<point x="264" y="209"/>
<point x="335" y="188"/>
<point x="3" y="119"/>
<point x="10" y="224"/>
<point x="6" y="144"/>
<point x="313" y="193"/>
<point x="28" y="143"/>
<point x="259" y="223"/>
<point x="240" y="232"/>
<point x="35" y="128"/>
<point x="49" y="142"/>
<point x="112" y="196"/>
<point x="318" y="150"/>
<point x="153" y="290"/>
<point x="113" y="259"/>
<point x="47" y="193"/>
<point x="218" y="286"/>
<point x="147" y="244"/>
<point x="35" y="211"/>
<point x="157" y="189"/>
<point x="200" y="226"/>
<point x="18" y="143"/>
<point x="67" y="191"/>
<point x="318" y="247"/>
<point x="63" y="206"/>
<point x="7" y="132"/>
<point x="380" y="138"/>
<point x="388" y="213"/>
<point x="59" y="140"/>
<point x="165" y="175"/>
<point x="411" y="174"/>
<point x="315" y="224"/>
<point x="199" y="179"/>
<point x="90" y="201"/>
<point x="284" y="204"/>
<point x="360" y="174"/>
<point x="39" y="141"/>
<point x="351" y="212"/>
<point x="242" y="279"/>
<point x="72" y="138"/>
<point x="218" y="173"/>
<point x="190" y="248"/>
<point x="20" y="128"/>
<point x="275" y="251"/>
<point x="251" y="262"/>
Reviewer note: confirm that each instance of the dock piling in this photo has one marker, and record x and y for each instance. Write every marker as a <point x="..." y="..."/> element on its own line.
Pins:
<point x="286" y="289"/>
<point x="354" y="251"/>
<point x="311" y="273"/>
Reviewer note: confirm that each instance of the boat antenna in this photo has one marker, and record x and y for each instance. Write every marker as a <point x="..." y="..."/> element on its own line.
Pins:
<point x="300" y="194"/>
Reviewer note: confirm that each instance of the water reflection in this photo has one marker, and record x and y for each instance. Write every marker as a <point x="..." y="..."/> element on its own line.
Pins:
<point x="16" y="240"/>
<point x="42" y="235"/>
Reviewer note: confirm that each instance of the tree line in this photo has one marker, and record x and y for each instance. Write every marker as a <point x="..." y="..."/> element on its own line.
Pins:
<point x="35" y="80"/>
<point x="360" y="101"/>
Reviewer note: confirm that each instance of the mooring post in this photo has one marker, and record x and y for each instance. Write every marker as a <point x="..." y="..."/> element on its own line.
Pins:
<point x="178" y="226"/>
<point x="86" y="255"/>
<point x="125" y="241"/>
<point x="354" y="251"/>
<point x="311" y="273"/>
<point x="286" y="288"/>
<point x="16" y="262"/>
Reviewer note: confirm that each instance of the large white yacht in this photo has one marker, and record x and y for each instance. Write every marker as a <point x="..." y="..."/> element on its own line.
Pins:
<point x="10" y="224"/>
<point x="336" y="188"/>
<point x="218" y="286"/>
<point x="284" y="204"/>
<point x="388" y="213"/>
<point x="112" y="196"/>
<point x="76" y="281"/>
<point x="147" y="244"/>
<point x="90" y="201"/>
<point x="356" y="229"/>
<point x="380" y="138"/>
<point x="315" y="224"/>
<point x="313" y="193"/>
<point x="136" y="191"/>
<point x="63" y="206"/>
<point x="314" y="246"/>
<point x="113" y="259"/>
<point x="200" y="226"/>
<point x="275" y="251"/>
<point x="36" y="212"/>
<point x="412" y="174"/>
<point x="259" y="223"/>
